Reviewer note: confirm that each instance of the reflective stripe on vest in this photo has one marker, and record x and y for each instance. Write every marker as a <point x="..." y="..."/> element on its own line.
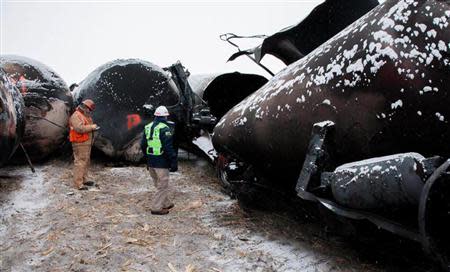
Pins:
<point x="154" y="145"/>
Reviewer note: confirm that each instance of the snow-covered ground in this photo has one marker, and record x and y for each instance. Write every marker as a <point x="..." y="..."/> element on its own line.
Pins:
<point x="48" y="226"/>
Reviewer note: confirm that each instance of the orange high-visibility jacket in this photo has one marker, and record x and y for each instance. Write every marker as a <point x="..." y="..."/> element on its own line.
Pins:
<point x="80" y="126"/>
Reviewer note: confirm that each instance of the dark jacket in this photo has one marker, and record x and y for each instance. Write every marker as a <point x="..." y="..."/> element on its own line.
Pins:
<point x="169" y="157"/>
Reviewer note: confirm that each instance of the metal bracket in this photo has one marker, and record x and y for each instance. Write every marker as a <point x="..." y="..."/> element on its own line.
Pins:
<point x="315" y="153"/>
<point x="195" y="116"/>
<point x="311" y="171"/>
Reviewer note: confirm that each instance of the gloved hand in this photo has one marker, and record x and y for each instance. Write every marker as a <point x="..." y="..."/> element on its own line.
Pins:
<point x="173" y="168"/>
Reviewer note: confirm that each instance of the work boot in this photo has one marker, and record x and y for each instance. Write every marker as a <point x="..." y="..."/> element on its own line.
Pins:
<point x="89" y="183"/>
<point x="161" y="212"/>
<point x="170" y="206"/>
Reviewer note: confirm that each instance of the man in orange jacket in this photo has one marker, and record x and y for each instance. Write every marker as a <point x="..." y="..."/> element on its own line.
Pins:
<point x="81" y="136"/>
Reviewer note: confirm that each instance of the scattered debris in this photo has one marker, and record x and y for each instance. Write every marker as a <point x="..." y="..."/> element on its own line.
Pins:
<point x="47" y="252"/>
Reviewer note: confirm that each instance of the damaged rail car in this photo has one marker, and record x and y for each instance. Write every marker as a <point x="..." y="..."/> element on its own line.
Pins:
<point x="48" y="104"/>
<point x="120" y="90"/>
<point x="127" y="92"/>
<point x="324" y="21"/>
<point x="12" y="118"/>
<point x="223" y="91"/>
<point x="337" y="126"/>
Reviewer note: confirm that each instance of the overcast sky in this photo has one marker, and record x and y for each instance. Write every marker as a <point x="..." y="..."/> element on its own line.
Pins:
<point x="74" y="37"/>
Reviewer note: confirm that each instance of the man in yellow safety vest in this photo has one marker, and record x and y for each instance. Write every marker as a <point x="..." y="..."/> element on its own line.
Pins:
<point x="157" y="146"/>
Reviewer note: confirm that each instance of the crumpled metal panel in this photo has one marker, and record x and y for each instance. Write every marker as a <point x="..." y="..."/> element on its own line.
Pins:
<point x="325" y="21"/>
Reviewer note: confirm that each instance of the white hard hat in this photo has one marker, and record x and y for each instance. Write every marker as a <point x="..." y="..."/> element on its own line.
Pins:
<point x="161" y="111"/>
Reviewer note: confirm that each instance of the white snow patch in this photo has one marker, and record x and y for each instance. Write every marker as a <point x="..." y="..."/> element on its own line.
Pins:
<point x="240" y="121"/>
<point x="440" y="117"/>
<point x="348" y="54"/>
<point x="422" y="27"/>
<point x="356" y="66"/>
<point x="397" y="104"/>
<point x="376" y="168"/>
<point x="386" y="22"/>
<point x="442" y="46"/>
<point x="399" y="28"/>
<point x="427" y="89"/>
<point x="383" y="36"/>
<point x="432" y="33"/>
<point x="301" y="99"/>
<point x="327" y="123"/>
<point x="363" y="163"/>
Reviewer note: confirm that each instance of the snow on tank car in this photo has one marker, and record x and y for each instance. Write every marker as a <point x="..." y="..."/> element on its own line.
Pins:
<point x="383" y="81"/>
<point x="120" y="90"/>
<point x="12" y="121"/>
<point x="337" y="126"/>
<point x="48" y="103"/>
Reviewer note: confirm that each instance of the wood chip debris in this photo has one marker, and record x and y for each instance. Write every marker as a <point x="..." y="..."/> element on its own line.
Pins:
<point x="103" y="248"/>
<point x="171" y="267"/>
<point x="190" y="268"/>
<point x="139" y="242"/>
<point x="125" y="264"/>
<point x="47" y="252"/>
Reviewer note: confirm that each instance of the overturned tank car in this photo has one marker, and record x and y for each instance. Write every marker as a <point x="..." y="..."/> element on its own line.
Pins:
<point x="126" y="92"/>
<point x="220" y="92"/>
<point x="338" y="126"/>
<point x="48" y="103"/>
<point x="12" y="121"/>
<point x="223" y="91"/>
